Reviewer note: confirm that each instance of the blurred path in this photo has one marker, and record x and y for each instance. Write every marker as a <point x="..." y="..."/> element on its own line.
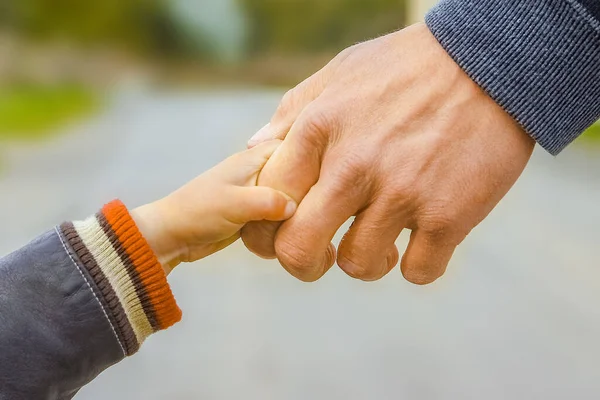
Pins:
<point x="516" y="317"/>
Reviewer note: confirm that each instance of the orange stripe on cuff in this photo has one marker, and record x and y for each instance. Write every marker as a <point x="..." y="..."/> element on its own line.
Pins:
<point x="150" y="279"/>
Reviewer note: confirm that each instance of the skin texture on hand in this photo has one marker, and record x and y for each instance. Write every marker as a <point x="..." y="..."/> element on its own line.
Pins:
<point x="206" y="215"/>
<point x="393" y="132"/>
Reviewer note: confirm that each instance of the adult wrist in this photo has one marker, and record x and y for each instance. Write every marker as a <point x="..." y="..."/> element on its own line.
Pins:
<point x="537" y="60"/>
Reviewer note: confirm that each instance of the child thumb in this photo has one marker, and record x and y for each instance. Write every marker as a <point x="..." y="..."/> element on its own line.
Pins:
<point x="263" y="203"/>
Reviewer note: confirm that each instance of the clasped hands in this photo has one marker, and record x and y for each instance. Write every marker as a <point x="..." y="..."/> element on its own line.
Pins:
<point x="392" y="132"/>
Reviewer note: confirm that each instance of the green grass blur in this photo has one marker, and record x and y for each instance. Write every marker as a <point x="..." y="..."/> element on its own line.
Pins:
<point x="593" y="133"/>
<point x="31" y="112"/>
<point x="591" y="137"/>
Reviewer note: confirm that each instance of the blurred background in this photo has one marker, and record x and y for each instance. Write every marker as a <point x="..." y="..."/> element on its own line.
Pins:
<point x="132" y="98"/>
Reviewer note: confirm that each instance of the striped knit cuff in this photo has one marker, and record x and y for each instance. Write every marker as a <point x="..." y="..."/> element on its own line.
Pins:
<point x="129" y="279"/>
<point x="539" y="60"/>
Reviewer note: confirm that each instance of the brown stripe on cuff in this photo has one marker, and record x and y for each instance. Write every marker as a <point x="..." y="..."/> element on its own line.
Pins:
<point x="117" y="314"/>
<point x="140" y="288"/>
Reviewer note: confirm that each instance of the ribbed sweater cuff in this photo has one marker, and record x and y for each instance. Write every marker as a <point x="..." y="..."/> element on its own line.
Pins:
<point x="539" y="60"/>
<point x="130" y="281"/>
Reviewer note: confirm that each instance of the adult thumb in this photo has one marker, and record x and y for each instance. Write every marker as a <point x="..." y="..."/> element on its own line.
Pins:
<point x="297" y="99"/>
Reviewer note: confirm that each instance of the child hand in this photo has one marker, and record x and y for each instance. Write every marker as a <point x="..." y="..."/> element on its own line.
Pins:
<point x="206" y="215"/>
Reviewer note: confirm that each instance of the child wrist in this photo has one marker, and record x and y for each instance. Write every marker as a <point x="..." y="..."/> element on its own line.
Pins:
<point x="153" y="222"/>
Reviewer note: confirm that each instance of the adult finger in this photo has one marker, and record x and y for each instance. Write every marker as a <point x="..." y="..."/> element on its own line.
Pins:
<point x="427" y="256"/>
<point x="368" y="251"/>
<point x="290" y="107"/>
<point x="303" y="243"/>
<point x="293" y="169"/>
<point x="259" y="238"/>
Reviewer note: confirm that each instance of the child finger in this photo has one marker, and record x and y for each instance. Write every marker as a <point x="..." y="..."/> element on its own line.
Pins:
<point x="261" y="203"/>
<point x="257" y="157"/>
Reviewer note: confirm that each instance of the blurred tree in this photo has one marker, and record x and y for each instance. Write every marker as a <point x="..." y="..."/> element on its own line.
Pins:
<point x="209" y="29"/>
<point x="217" y="27"/>
<point x="291" y="26"/>
<point x="139" y="24"/>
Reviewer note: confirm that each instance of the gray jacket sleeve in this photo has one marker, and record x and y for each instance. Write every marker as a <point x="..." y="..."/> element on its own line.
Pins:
<point x="75" y="301"/>
<point x="54" y="334"/>
<point x="539" y="60"/>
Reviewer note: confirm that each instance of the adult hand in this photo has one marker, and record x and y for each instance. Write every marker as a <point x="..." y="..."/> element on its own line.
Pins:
<point x="393" y="132"/>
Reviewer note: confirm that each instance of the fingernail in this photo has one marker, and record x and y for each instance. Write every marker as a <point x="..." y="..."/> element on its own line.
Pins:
<point x="290" y="208"/>
<point x="263" y="134"/>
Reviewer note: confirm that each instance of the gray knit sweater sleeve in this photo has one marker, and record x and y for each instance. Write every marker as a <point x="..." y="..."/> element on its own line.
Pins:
<point x="539" y="60"/>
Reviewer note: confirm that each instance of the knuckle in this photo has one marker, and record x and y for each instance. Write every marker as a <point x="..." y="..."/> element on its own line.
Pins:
<point x="342" y="55"/>
<point x="440" y="222"/>
<point x="357" y="162"/>
<point x="286" y="104"/>
<point x="405" y="186"/>
<point x="349" y="174"/>
<point x="437" y="228"/>
<point x="317" y="122"/>
<point x="258" y="238"/>
<point x="313" y="129"/>
<point x="349" y="50"/>
<point x="297" y="260"/>
<point x="357" y="268"/>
